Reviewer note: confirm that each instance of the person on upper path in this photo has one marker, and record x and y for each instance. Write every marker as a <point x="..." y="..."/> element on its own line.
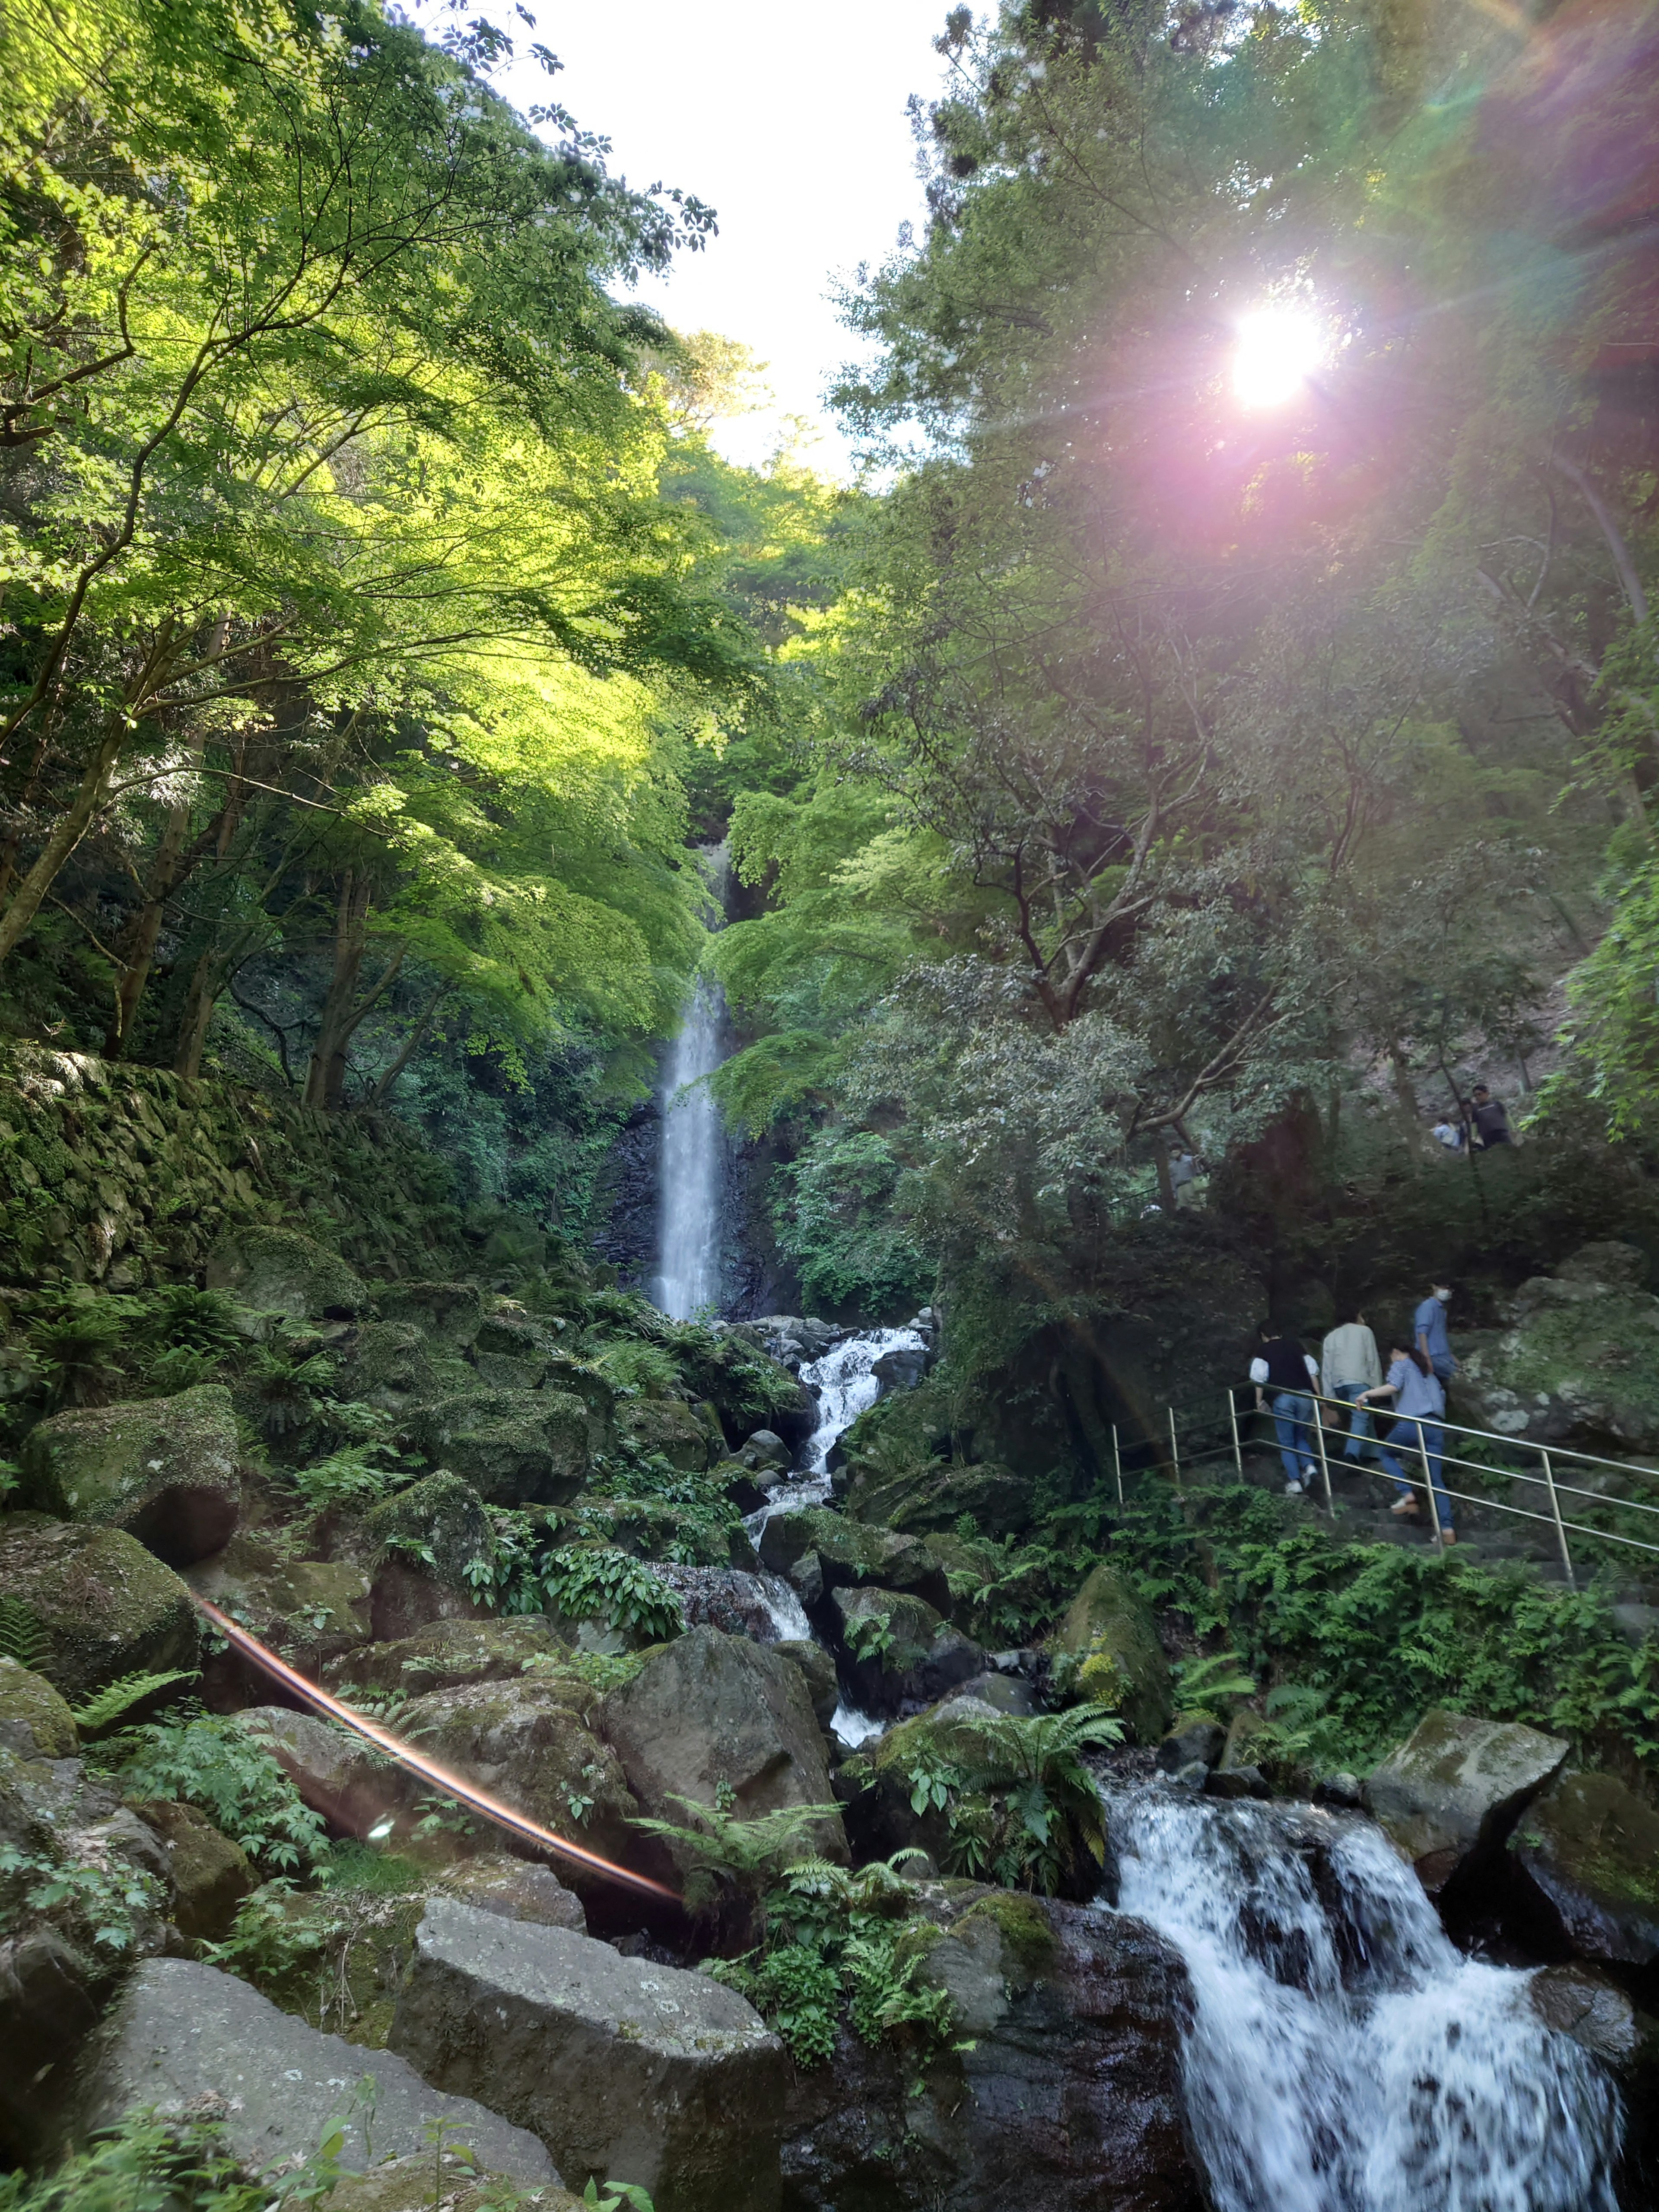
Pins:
<point x="1183" y="1176"/>
<point x="1282" y="1367"/>
<point x="1420" y="1403"/>
<point x="1348" y="1367"/>
<point x="1449" y="1133"/>
<point x="1429" y="1332"/>
<point x="1488" y="1120"/>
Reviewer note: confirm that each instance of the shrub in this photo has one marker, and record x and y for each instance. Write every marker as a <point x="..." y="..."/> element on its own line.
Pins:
<point x="215" y="1764"/>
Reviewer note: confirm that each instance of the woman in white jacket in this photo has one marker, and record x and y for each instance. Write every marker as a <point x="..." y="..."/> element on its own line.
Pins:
<point x="1348" y="1367"/>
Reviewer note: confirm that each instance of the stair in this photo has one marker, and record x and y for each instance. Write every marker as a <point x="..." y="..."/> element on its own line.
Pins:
<point x="1360" y="1514"/>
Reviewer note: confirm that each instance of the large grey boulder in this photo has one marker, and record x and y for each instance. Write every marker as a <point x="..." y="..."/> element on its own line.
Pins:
<point x="338" y="1774"/>
<point x="709" y="1709"/>
<point x="900" y="1649"/>
<point x="627" y="2070"/>
<point x="280" y="1271"/>
<point x="1454" y="1788"/>
<point x="448" y="1653"/>
<point x="165" y="1469"/>
<point x="517" y="1889"/>
<point x="822" y="1551"/>
<point x="1590" y="1850"/>
<point x="184" y="2037"/>
<point x="103" y="1605"/>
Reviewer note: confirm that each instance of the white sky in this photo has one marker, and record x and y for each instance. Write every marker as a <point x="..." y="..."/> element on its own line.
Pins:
<point x="790" y="121"/>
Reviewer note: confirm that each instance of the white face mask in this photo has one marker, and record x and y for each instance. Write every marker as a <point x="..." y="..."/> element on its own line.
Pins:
<point x="1444" y="1297"/>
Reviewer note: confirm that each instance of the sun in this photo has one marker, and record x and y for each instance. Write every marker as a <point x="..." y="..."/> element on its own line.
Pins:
<point x="1277" y="349"/>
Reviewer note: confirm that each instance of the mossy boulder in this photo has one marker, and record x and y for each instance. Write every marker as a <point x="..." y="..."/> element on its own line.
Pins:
<point x="900" y="1649"/>
<point x="450" y="1313"/>
<point x="931" y="1499"/>
<point x="313" y="1611"/>
<point x="394" y="1363"/>
<point x="280" y="1271"/>
<point x="1115" y="1659"/>
<point x="1452" y="1791"/>
<point x="211" y="1874"/>
<point x="165" y="1469"/>
<point x="336" y="1958"/>
<point x="514" y="1889"/>
<point x="449" y="1653"/>
<point x="429" y="1537"/>
<point x="515" y="1447"/>
<point x="848" y="1552"/>
<point x="101" y="1605"/>
<point x="1590" y="1850"/>
<point x="35" y="1722"/>
<point x="819" y="1670"/>
<point x="670" y="1426"/>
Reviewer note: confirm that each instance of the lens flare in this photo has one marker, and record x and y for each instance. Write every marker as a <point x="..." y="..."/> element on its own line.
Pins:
<point x="1277" y="349"/>
<point x="430" y="1770"/>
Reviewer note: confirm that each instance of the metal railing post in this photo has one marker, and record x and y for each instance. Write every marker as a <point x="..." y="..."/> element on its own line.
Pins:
<point x="1117" y="1464"/>
<point x="1555" y="1511"/>
<point x="1324" y="1464"/>
<point x="1238" y="1449"/>
<point x="1174" y="1453"/>
<point x="1428" y="1484"/>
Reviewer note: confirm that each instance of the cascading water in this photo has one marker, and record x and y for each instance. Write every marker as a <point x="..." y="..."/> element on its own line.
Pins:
<point x="695" y="1144"/>
<point x="1343" y="2055"/>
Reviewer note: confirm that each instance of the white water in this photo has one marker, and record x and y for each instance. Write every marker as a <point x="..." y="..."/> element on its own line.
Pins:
<point x="854" y="1727"/>
<point x="846" y="1388"/>
<point x="1344" y="2056"/>
<point x="692" y="1169"/>
<point x="788" y="1614"/>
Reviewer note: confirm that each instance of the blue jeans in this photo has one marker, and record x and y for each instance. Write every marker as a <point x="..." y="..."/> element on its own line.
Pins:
<point x="1360" y="1431"/>
<point x="1290" y="1411"/>
<point x="1406" y="1434"/>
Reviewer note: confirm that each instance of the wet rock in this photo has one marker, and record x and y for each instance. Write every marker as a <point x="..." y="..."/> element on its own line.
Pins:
<point x="210" y="1874"/>
<point x="180" y="2033"/>
<point x="280" y="1271"/>
<point x="1578" y="1366"/>
<point x="1454" y="1789"/>
<point x="1590" y="1850"/>
<point x="850" y="1551"/>
<point x="446" y="1653"/>
<point x="709" y="1710"/>
<point x="165" y="1469"/>
<point x="35" y="1722"/>
<point x="1194" y="1735"/>
<point x="512" y="1447"/>
<point x="902" y="1368"/>
<point x="818" y="1669"/>
<point x="1341" y="1788"/>
<point x="1107" y="1635"/>
<point x="900" y="1650"/>
<point x="103" y="1605"/>
<point x="764" y="1449"/>
<point x="725" y="1598"/>
<point x="624" y="2069"/>
<point x="1069" y="2097"/>
<point x="1234" y="1782"/>
<point x="516" y="1889"/>
<point x="1589" y="2006"/>
<point x="1007" y="1692"/>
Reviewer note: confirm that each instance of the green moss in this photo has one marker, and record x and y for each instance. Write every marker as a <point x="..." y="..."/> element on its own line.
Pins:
<point x="29" y="1703"/>
<point x="1029" y="1943"/>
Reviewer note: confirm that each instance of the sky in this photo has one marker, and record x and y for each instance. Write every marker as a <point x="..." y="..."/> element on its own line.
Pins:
<point x="790" y="121"/>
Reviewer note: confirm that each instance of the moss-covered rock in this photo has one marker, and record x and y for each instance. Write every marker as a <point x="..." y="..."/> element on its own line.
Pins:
<point x="211" y="1874"/>
<point x="429" y="1537"/>
<point x="515" y="1447"/>
<point x="932" y="1497"/>
<point x="335" y="1958"/>
<point x="394" y="1363"/>
<point x="35" y="1722"/>
<point x="449" y="1653"/>
<point x="102" y="1605"/>
<point x="670" y="1426"/>
<point x="407" y="2184"/>
<point x="853" y="1552"/>
<point x="900" y="1649"/>
<point x="450" y="1313"/>
<point x="165" y="1469"/>
<point x="1579" y="1363"/>
<point x="313" y="1611"/>
<point x="1107" y="1635"/>
<point x="280" y="1271"/>
<point x="1452" y="1792"/>
<point x="1590" y="1850"/>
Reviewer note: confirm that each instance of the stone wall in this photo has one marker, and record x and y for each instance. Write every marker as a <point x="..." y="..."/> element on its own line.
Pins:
<point x="123" y="1176"/>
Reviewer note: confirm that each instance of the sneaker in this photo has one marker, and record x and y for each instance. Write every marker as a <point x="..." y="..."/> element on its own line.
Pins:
<point x="1405" y="1507"/>
<point x="1309" y="1471"/>
<point x="1448" y="1535"/>
<point x="1294" y="1489"/>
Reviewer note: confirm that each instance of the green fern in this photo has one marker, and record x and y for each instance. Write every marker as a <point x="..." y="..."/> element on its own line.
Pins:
<point x="117" y="1698"/>
<point x="726" y="1853"/>
<point x="1220" y="1675"/>
<point x="21" y="1636"/>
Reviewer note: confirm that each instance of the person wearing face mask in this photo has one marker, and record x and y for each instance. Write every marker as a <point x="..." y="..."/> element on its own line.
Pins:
<point x="1429" y="1332"/>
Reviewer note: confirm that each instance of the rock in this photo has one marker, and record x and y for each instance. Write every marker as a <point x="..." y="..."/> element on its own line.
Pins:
<point x="436" y="1529"/>
<point x="1242" y="1729"/>
<point x="819" y="1671"/>
<point x="165" y="1469"/>
<point x="902" y="1368"/>
<point x="1007" y="1692"/>
<point x="1118" y="1661"/>
<point x="1068" y="2096"/>
<point x="900" y="1650"/>
<point x="849" y="1552"/>
<point x="336" y="1773"/>
<point x="1620" y="1267"/>
<point x="1579" y="1364"/>
<point x="1454" y="1788"/>
<point x="513" y="1447"/>
<point x="35" y="1722"/>
<point x="517" y="1889"/>
<point x="709" y="1708"/>
<point x="48" y="2004"/>
<point x="720" y="1597"/>
<point x="528" y="1742"/>
<point x="211" y="1876"/>
<point x="181" y="2034"/>
<point x="1193" y="1776"/>
<point x="487" y="1648"/>
<point x="1590" y="2008"/>
<point x="390" y="1363"/>
<point x="1194" y="1735"/>
<point x="765" y="1448"/>
<point x="931" y="1499"/>
<point x="104" y="1606"/>
<point x="453" y="1313"/>
<point x="1341" y="1788"/>
<point x="671" y="1427"/>
<point x="626" y="2070"/>
<point x="409" y="2185"/>
<point x="1590" y="1851"/>
<point x="279" y="1271"/>
<point x="1234" y="1782"/>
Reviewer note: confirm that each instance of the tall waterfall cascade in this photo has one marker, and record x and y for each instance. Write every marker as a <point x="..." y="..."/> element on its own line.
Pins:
<point x="1343" y="2056"/>
<point x="696" y="1148"/>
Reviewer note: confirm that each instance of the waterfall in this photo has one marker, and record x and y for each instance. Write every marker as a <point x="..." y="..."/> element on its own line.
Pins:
<point x="847" y="1386"/>
<point x="1343" y="2055"/>
<point x="693" y="1161"/>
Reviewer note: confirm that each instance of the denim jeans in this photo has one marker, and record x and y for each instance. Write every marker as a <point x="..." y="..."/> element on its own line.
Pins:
<point x="1291" y="1411"/>
<point x="1406" y="1434"/>
<point x="1360" y="1431"/>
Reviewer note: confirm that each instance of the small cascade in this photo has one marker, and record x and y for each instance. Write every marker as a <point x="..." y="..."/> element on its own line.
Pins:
<point x="788" y="1614"/>
<point x="1343" y="2055"/>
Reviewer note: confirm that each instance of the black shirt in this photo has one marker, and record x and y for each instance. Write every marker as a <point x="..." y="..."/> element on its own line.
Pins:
<point x="1492" y="1121"/>
<point x="1287" y="1364"/>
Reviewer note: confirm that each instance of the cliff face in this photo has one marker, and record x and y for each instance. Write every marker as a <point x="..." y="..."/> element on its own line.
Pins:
<point x="124" y="1177"/>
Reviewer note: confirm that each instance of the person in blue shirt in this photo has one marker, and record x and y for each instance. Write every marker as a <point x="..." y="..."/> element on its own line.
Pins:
<point x="1420" y="1402"/>
<point x="1429" y="1332"/>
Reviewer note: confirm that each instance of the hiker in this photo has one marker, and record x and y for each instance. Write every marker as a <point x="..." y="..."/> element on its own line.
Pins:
<point x="1283" y="1367"/>
<point x="1429" y="1332"/>
<point x="1488" y="1118"/>
<point x="1348" y="1367"/>
<point x="1451" y="1133"/>
<point x="1420" y="1402"/>
<point x="1183" y="1176"/>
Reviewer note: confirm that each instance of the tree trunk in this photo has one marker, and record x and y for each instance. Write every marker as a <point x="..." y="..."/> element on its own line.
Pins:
<point x="71" y="827"/>
<point x="326" y="1077"/>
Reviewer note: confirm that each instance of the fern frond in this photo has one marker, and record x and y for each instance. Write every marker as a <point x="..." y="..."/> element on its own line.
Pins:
<point x="21" y="1636"/>
<point x="117" y="1698"/>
